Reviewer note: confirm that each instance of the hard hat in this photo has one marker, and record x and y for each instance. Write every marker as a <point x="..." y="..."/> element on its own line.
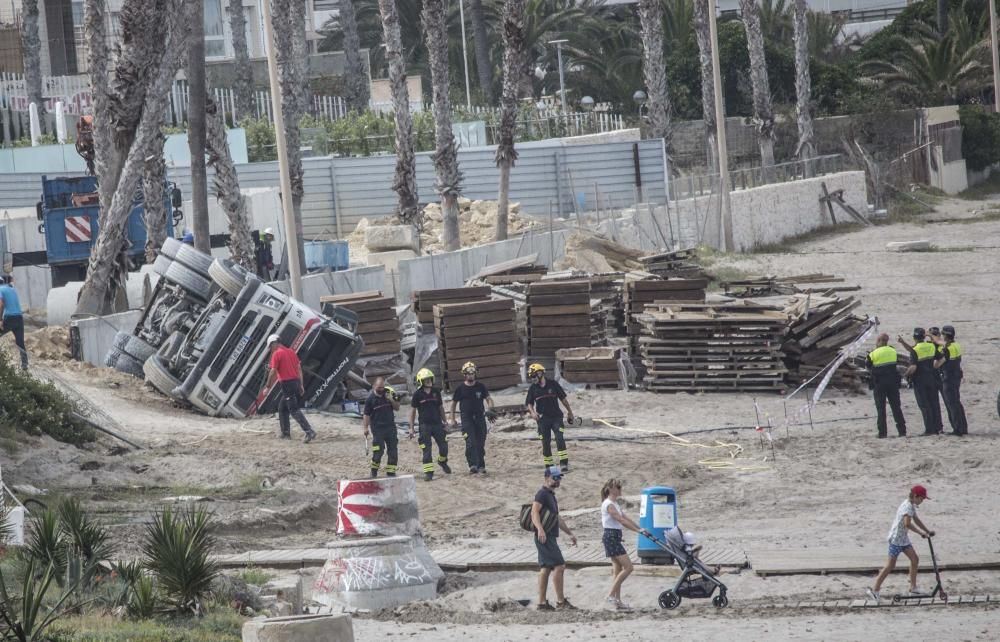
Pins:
<point x="423" y="375"/>
<point x="273" y="339"/>
<point x="948" y="331"/>
<point x="269" y="231"/>
<point x="390" y="390"/>
<point x="535" y="369"/>
<point x="469" y="368"/>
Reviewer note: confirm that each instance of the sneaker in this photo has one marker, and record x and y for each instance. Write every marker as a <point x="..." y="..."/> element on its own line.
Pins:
<point x="872" y="595"/>
<point x="545" y="606"/>
<point x="310" y="436"/>
<point x="445" y="467"/>
<point x="621" y="606"/>
<point x="428" y="476"/>
<point x="473" y="470"/>
<point x="612" y="603"/>
<point x="565" y="606"/>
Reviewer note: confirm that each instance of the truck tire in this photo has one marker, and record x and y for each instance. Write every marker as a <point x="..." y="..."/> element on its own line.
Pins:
<point x="134" y="346"/>
<point x="158" y="376"/>
<point x="162" y="264"/>
<point x="187" y="256"/>
<point x="228" y="276"/>
<point x="123" y="362"/>
<point x="190" y="280"/>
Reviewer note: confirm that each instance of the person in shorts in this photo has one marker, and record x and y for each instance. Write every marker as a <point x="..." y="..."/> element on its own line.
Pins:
<point x="899" y="540"/>
<point x="547" y="522"/>
<point x="614" y="521"/>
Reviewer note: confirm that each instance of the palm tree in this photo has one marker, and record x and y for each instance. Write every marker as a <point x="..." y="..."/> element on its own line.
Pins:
<point x="513" y="70"/>
<point x="484" y="67"/>
<point x="405" y="180"/>
<point x="95" y="32"/>
<point x="160" y="29"/>
<point x="935" y="70"/>
<point x="654" y="69"/>
<point x="701" y="30"/>
<point x="356" y="88"/>
<point x="763" y="115"/>
<point x="826" y="36"/>
<point x="243" y="72"/>
<point x="154" y="211"/>
<point x="227" y="188"/>
<point x="775" y="21"/>
<point x="32" y="45"/>
<point x="678" y="21"/>
<point x="449" y="178"/>
<point x="806" y="148"/>
<point x="197" y="100"/>
<point x="942" y="17"/>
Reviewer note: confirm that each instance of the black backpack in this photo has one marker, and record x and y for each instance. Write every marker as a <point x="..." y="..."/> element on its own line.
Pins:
<point x="548" y="519"/>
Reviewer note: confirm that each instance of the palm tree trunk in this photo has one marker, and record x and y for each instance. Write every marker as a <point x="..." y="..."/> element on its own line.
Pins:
<point x="942" y="17"/>
<point x="356" y="89"/>
<point x="484" y="66"/>
<point x="197" y="100"/>
<point x="154" y="211"/>
<point x="707" y="83"/>
<point x="95" y="31"/>
<point x="32" y="44"/>
<point x="405" y="180"/>
<point x="514" y="55"/>
<point x="103" y="256"/>
<point x="654" y="69"/>
<point x="287" y="17"/>
<point x="227" y="188"/>
<point x="763" y="115"/>
<point x="449" y="178"/>
<point x="243" y="76"/>
<point x="803" y="85"/>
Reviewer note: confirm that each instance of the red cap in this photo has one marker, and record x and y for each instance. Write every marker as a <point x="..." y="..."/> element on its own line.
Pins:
<point x="919" y="491"/>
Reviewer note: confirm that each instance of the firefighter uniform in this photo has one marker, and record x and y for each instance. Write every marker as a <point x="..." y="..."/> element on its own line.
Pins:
<point x="885" y="382"/>
<point x="431" y="423"/>
<point x="951" y="385"/>
<point x="382" y="420"/>
<point x="471" y="399"/>
<point x="925" y="385"/>
<point x="545" y="399"/>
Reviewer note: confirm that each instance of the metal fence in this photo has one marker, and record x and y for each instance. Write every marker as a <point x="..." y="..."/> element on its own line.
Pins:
<point x="691" y="186"/>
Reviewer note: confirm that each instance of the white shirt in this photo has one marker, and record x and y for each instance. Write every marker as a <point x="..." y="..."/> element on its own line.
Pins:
<point x="898" y="533"/>
<point x="607" y="519"/>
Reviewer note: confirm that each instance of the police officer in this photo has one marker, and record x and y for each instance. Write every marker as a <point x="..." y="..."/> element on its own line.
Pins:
<point x="925" y="379"/>
<point x="471" y="397"/>
<point x="544" y="397"/>
<point x="885" y="384"/>
<point x="428" y="404"/>
<point x="949" y="364"/>
<point x="380" y="415"/>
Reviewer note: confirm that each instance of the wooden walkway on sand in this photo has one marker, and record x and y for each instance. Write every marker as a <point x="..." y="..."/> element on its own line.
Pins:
<point x="825" y="560"/>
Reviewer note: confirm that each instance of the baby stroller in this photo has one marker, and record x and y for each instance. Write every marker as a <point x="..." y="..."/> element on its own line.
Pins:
<point x="700" y="588"/>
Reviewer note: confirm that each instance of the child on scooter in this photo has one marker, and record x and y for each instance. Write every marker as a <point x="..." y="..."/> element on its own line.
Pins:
<point x="899" y="540"/>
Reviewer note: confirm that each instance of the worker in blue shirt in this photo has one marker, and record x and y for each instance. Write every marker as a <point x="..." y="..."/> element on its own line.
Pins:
<point x="11" y="316"/>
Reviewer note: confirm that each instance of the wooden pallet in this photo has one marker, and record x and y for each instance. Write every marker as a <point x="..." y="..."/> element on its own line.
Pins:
<point x="378" y="325"/>
<point x="425" y="300"/>
<point x="482" y="332"/>
<point x="558" y="316"/>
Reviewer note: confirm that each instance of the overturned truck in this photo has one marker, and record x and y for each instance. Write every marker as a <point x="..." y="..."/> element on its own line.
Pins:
<point x="202" y="337"/>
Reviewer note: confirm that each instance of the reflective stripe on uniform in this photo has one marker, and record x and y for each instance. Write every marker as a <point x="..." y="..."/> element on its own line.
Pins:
<point x="884" y="356"/>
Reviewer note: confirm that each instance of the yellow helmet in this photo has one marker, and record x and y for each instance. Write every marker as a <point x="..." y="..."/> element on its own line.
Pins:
<point x="535" y="369"/>
<point x="469" y="368"/>
<point x="423" y="375"/>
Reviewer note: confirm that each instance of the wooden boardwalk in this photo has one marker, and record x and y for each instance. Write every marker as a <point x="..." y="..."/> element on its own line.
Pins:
<point x="825" y="560"/>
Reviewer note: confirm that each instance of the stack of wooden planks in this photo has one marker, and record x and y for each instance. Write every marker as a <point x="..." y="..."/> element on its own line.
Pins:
<point x="607" y="288"/>
<point x="678" y="263"/>
<point x="595" y="367"/>
<point x="770" y="285"/>
<point x="598" y="323"/>
<point x="637" y="294"/>
<point x="708" y="347"/>
<point x="820" y="326"/>
<point x="378" y="325"/>
<point x="558" y="316"/>
<point x="481" y="332"/>
<point x="425" y="300"/>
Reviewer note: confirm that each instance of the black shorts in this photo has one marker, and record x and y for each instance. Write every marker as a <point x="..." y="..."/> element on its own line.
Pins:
<point x="549" y="555"/>
<point x="612" y="541"/>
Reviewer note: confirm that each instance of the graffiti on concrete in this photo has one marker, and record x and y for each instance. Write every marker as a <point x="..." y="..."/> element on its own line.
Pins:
<point x="345" y="575"/>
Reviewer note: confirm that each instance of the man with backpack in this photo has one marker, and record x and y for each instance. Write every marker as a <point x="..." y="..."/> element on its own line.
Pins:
<point x="547" y="523"/>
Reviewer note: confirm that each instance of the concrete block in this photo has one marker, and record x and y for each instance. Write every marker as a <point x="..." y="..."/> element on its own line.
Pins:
<point x="98" y="333"/>
<point x="385" y="506"/>
<point x="922" y="245"/>
<point x="381" y="238"/>
<point x="391" y="259"/>
<point x="300" y="628"/>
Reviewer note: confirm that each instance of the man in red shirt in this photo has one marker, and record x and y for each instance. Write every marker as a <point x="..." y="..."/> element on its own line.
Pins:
<point x="287" y="370"/>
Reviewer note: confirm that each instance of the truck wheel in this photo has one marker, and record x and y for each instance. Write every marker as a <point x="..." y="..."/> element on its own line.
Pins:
<point x="189" y="280"/>
<point x="162" y="264"/>
<point x="123" y="362"/>
<point x="187" y="256"/>
<point x="228" y="276"/>
<point x="134" y="346"/>
<point x="158" y="376"/>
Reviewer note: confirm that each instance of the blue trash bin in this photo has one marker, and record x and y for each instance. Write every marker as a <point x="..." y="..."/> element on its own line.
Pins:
<point x="657" y="514"/>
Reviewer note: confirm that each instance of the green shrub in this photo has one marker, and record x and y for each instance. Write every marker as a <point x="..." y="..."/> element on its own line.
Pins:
<point x="177" y="548"/>
<point x="980" y="136"/>
<point x="37" y="407"/>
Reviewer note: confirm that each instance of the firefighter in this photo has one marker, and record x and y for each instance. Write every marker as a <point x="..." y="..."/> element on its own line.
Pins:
<point x="380" y="416"/>
<point x="544" y="397"/>
<point x="885" y="382"/>
<point x="472" y="397"/>
<point x="428" y="403"/>
<point x="925" y="380"/>
<point x="949" y="364"/>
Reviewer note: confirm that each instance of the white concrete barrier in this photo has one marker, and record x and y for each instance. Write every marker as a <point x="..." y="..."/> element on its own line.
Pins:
<point x="97" y="334"/>
<point x="300" y="628"/>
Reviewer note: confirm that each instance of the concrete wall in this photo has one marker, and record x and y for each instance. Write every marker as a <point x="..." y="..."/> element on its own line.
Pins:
<point x="951" y="178"/>
<point x="32" y="282"/>
<point x="98" y="334"/>
<point x="314" y="286"/>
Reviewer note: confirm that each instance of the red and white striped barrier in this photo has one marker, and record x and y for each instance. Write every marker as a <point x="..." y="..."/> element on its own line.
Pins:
<point x="378" y="507"/>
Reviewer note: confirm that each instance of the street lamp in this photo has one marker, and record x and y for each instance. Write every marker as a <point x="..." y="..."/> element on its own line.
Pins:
<point x="562" y="81"/>
<point x="465" y="56"/>
<point x="639" y="98"/>
<point x="587" y="103"/>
